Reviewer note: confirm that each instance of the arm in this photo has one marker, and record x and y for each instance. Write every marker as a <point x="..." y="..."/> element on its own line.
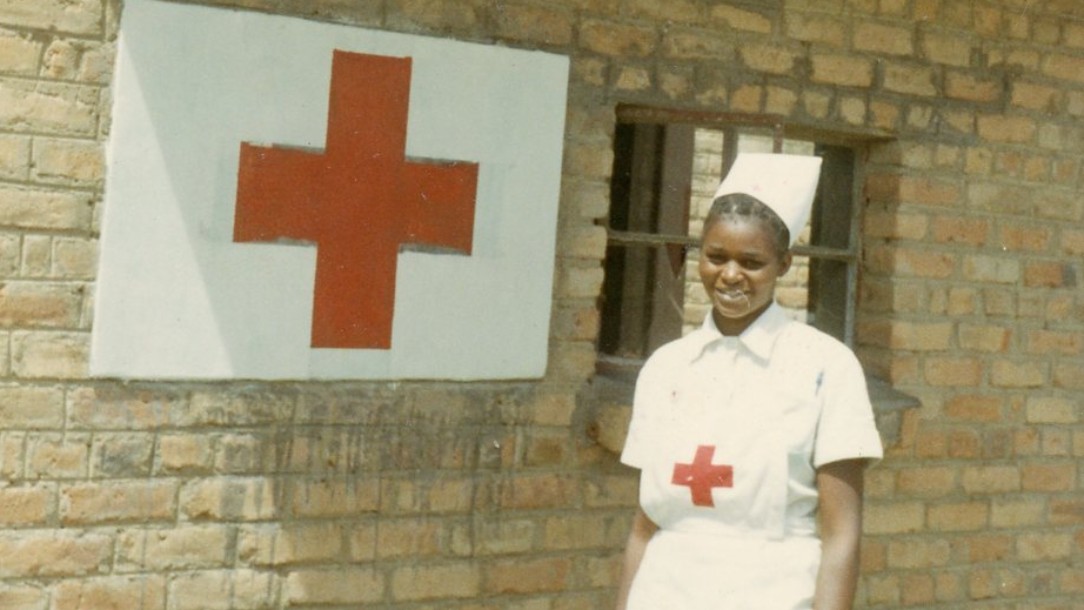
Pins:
<point x="840" y="488"/>
<point x="643" y="528"/>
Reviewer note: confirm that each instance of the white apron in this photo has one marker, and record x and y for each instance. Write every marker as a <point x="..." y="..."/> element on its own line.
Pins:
<point x="716" y="484"/>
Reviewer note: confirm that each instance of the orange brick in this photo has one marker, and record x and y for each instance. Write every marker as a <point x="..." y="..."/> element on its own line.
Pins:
<point x="1067" y="511"/>
<point x="916" y="552"/>
<point x="24" y="597"/>
<point x="929" y="191"/>
<point x="40" y="305"/>
<point x="953" y="372"/>
<point x="913" y="262"/>
<point x="409" y="538"/>
<point x="946" y="49"/>
<point x="984" y="338"/>
<point x="927" y="481"/>
<point x="1065" y="67"/>
<point x="184" y="547"/>
<point x="50" y="354"/>
<point x="246" y="498"/>
<point x="883" y="590"/>
<point x="780" y="101"/>
<point x="422" y="582"/>
<point x="583" y="531"/>
<point x="1051" y="410"/>
<point x="519" y="576"/>
<point x="617" y="40"/>
<point x="987" y="548"/>
<point x="894" y="225"/>
<point x="71" y="162"/>
<point x="967" y="231"/>
<point x="26" y="506"/>
<point x="695" y="44"/>
<point x="767" y="58"/>
<point x="180" y="453"/>
<point x="961" y="516"/>
<point x="1013" y="374"/>
<point x="1025" y="239"/>
<point x="58" y="456"/>
<point x="740" y="19"/>
<point x="885" y="39"/>
<point x="1043" y="546"/>
<point x="1072" y="241"/>
<point x="916" y="589"/>
<point x="1007" y="129"/>
<point x="965" y="86"/>
<point x="679" y="10"/>
<point x="534" y="24"/>
<point x="820" y="29"/>
<point x="1049" y="275"/>
<point x="976" y="408"/>
<point x="893" y="518"/>
<point x="29" y="407"/>
<point x="537" y="491"/>
<point x="1049" y="477"/>
<point x="1055" y="342"/>
<point x="274" y="545"/>
<point x="44" y="553"/>
<point x="991" y="479"/>
<point x="964" y="444"/>
<point x="342" y="585"/>
<point x="145" y="591"/>
<point x="992" y="269"/>
<point x="48" y="107"/>
<point x="909" y="79"/>
<point x="506" y="536"/>
<point x="118" y="502"/>
<point x="747" y="98"/>
<point x="1035" y="97"/>
<point x="842" y="70"/>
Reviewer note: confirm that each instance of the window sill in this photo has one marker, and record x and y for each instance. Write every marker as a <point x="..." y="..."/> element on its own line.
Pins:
<point x="610" y="397"/>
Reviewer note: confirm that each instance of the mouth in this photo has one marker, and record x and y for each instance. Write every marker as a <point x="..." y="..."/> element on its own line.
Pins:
<point x="731" y="295"/>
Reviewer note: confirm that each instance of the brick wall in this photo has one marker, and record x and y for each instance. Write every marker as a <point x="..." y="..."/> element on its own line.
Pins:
<point x="154" y="495"/>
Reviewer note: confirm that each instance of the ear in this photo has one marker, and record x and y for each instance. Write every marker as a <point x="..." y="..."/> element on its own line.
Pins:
<point x="784" y="265"/>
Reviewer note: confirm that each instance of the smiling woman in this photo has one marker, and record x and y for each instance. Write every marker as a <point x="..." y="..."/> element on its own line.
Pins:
<point x="776" y="414"/>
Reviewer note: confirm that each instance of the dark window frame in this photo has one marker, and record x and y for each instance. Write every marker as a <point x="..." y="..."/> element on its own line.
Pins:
<point x="838" y="150"/>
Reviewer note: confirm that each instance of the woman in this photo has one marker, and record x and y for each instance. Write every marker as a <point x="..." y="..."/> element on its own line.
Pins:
<point x="752" y="432"/>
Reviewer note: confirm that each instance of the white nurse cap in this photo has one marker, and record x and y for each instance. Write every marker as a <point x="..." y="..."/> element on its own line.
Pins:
<point x="785" y="183"/>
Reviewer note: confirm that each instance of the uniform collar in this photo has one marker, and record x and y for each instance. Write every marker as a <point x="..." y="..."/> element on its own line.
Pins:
<point x="759" y="338"/>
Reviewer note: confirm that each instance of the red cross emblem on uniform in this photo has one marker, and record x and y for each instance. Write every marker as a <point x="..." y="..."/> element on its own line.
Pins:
<point x="701" y="476"/>
<point x="359" y="200"/>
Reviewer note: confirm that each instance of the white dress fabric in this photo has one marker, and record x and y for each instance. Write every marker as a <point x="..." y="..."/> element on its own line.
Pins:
<point x="727" y="433"/>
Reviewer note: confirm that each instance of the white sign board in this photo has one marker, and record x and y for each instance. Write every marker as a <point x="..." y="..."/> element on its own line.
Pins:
<point x="178" y="296"/>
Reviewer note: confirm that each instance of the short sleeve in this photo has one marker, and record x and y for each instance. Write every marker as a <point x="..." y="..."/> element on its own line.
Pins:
<point x="645" y="413"/>
<point x="846" y="428"/>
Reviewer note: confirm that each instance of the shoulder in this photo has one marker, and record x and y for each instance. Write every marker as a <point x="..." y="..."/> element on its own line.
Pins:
<point x="676" y="354"/>
<point x="802" y="345"/>
<point x="682" y="350"/>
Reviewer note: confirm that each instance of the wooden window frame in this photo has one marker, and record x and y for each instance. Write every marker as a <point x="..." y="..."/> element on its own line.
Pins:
<point x="731" y="124"/>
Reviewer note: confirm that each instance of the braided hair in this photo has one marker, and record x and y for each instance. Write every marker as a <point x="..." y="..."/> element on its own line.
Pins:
<point x="740" y="206"/>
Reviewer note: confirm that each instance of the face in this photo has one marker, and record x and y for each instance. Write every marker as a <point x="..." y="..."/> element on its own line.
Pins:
<point x="739" y="266"/>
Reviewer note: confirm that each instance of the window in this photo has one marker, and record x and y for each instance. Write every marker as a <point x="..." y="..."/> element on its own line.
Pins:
<point x="667" y="165"/>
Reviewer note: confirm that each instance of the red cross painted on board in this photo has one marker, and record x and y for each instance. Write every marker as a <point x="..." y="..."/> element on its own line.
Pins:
<point x="360" y="200"/>
<point x="701" y="476"/>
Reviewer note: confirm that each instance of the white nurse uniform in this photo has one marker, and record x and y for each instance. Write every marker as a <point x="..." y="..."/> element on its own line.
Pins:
<point x="727" y="433"/>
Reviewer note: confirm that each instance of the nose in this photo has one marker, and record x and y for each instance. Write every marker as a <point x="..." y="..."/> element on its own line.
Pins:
<point x="730" y="273"/>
